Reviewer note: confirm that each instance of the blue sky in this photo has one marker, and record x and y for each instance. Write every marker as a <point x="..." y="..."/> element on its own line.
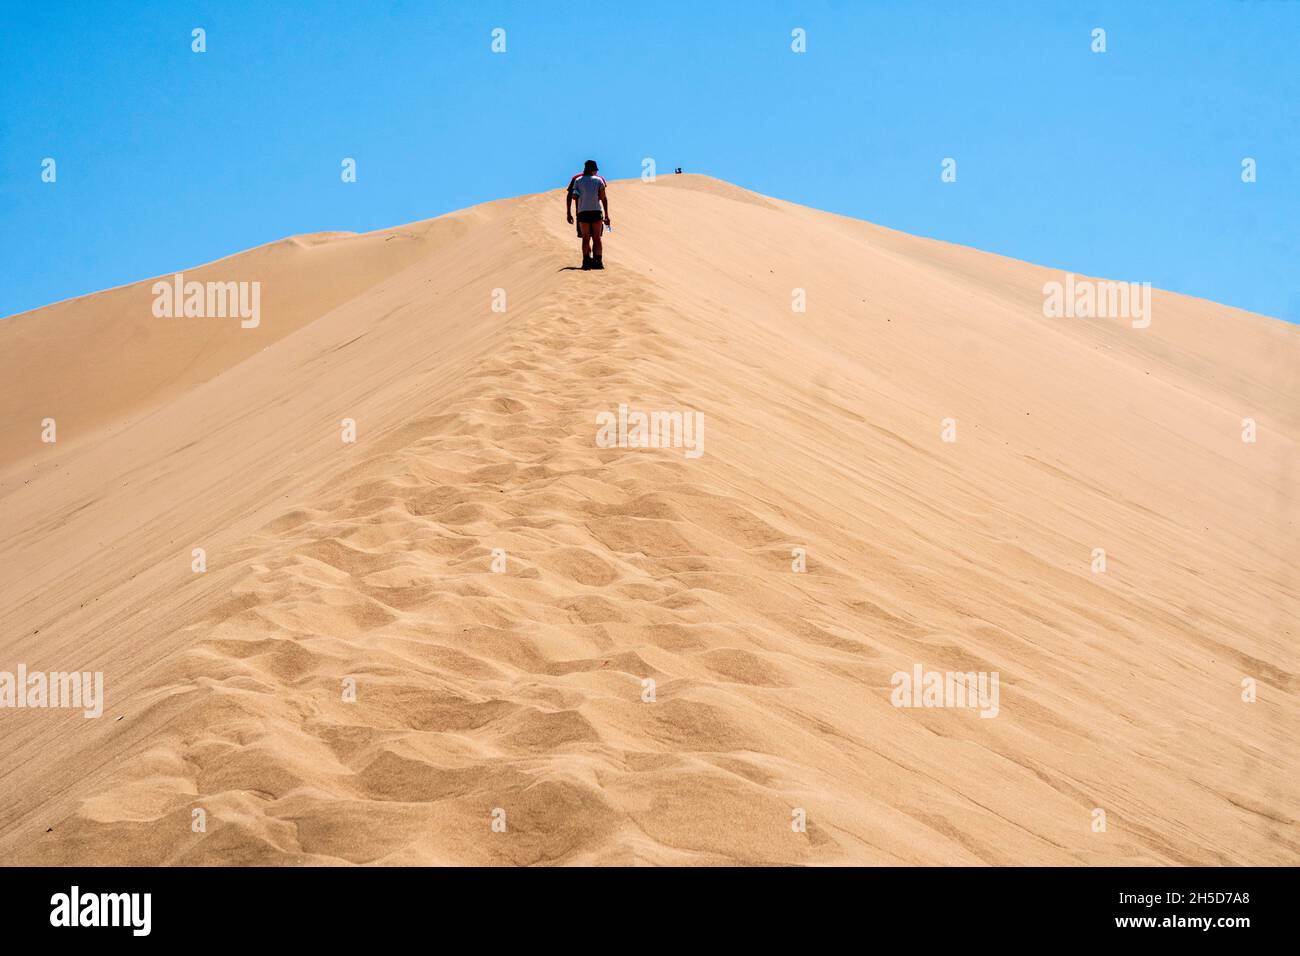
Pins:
<point x="1125" y="164"/>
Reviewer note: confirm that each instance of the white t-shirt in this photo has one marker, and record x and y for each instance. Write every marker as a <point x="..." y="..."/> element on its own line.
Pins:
<point x="586" y="189"/>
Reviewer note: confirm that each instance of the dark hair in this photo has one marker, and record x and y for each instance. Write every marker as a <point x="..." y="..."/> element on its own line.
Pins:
<point x="590" y="166"/>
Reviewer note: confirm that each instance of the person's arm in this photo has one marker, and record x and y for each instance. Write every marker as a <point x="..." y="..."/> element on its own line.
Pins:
<point x="604" y="201"/>
<point x="568" y="202"/>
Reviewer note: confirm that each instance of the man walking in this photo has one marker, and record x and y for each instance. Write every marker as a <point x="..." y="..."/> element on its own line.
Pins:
<point x="588" y="191"/>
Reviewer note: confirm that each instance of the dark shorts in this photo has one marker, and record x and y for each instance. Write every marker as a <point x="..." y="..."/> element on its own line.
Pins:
<point x="589" y="217"/>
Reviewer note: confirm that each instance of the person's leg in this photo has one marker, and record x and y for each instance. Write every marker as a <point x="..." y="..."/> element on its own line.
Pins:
<point x="584" y="229"/>
<point x="597" y="229"/>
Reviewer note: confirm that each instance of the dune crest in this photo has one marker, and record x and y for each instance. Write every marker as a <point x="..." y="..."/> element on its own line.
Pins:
<point x="475" y="614"/>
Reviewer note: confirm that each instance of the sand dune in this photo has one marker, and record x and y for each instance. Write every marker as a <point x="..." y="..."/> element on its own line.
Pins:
<point x="519" y="695"/>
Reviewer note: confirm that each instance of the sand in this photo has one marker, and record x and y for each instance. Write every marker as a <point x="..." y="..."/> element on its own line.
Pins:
<point x="501" y="717"/>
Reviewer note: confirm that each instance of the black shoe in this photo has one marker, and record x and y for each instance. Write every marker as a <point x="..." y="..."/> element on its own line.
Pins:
<point x="586" y="263"/>
<point x="596" y="262"/>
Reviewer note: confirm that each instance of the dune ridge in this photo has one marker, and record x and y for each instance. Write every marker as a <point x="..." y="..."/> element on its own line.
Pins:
<point x="522" y="691"/>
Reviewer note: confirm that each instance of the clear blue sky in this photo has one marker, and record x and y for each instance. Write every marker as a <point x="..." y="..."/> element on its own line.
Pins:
<point x="1125" y="164"/>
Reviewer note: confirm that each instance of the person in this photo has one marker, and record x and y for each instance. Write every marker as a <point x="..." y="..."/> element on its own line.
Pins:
<point x="587" y="190"/>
